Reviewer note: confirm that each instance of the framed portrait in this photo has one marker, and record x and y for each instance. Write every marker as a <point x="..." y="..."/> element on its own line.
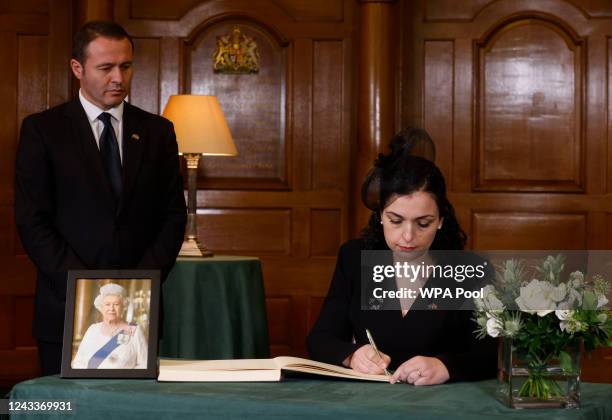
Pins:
<point x="111" y="324"/>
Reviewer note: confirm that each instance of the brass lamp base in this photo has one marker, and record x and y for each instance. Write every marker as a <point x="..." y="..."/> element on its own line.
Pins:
<point x="192" y="248"/>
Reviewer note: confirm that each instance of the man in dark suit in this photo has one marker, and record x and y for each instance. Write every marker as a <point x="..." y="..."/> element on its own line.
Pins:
<point x="97" y="183"/>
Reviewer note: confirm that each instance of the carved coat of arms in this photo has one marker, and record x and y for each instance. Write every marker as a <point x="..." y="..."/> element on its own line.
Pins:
<point x="236" y="53"/>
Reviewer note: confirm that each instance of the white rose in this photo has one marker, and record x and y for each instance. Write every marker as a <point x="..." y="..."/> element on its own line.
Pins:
<point x="564" y="315"/>
<point x="576" y="279"/>
<point x="563" y="306"/>
<point x="575" y="298"/>
<point x="494" y="327"/>
<point x="602" y="300"/>
<point x="602" y="318"/>
<point x="491" y="302"/>
<point x="536" y="297"/>
<point x="559" y="292"/>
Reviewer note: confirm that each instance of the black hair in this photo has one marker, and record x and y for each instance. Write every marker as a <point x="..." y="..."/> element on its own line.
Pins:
<point x="400" y="173"/>
<point x="92" y="30"/>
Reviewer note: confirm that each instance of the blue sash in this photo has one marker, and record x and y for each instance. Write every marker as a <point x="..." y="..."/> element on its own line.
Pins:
<point x="103" y="352"/>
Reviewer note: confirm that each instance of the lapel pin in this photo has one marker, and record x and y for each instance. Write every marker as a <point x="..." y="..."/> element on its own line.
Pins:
<point x="135" y="136"/>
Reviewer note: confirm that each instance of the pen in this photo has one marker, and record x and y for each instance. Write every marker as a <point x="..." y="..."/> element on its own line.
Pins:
<point x="373" y="344"/>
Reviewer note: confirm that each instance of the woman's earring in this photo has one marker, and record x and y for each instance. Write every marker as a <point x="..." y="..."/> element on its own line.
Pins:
<point x="439" y="227"/>
<point x="381" y="222"/>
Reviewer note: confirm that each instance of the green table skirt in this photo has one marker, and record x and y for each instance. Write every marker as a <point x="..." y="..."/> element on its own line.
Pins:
<point x="296" y="397"/>
<point x="214" y="308"/>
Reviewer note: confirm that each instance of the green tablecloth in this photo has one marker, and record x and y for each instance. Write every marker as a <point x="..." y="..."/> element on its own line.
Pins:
<point x="214" y="308"/>
<point x="295" y="398"/>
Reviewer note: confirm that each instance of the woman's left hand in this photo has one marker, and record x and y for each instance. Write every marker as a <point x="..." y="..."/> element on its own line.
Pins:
<point x="421" y="370"/>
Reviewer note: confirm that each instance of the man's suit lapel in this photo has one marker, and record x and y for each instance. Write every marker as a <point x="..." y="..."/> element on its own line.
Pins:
<point x="133" y="146"/>
<point x="88" y="149"/>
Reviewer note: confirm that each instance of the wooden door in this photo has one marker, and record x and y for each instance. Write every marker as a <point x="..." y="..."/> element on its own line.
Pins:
<point x="515" y="94"/>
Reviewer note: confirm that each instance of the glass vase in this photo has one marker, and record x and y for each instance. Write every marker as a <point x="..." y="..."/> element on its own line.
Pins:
<point x="527" y="383"/>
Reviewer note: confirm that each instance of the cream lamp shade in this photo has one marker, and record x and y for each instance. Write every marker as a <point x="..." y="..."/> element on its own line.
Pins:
<point x="199" y="125"/>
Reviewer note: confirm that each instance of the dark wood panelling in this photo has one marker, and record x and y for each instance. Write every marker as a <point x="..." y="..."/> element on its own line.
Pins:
<point x="151" y="9"/>
<point x="314" y="308"/>
<point x="301" y="10"/>
<point x="491" y="231"/>
<point x="32" y="24"/>
<point x="530" y="74"/>
<point x="25" y="6"/>
<point x="438" y="101"/>
<point x="8" y="105"/>
<point x="169" y="69"/>
<point x="23" y="311"/>
<point x="608" y="230"/>
<point x="245" y="230"/>
<point x="452" y="10"/>
<point x="253" y="105"/>
<point x="6" y="230"/>
<point x="59" y="77"/>
<point x="608" y="104"/>
<point x="455" y="11"/>
<point x="597" y="367"/>
<point x="32" y="79"/>
<point x="327" y="121"/>
<point x="18" y="364"/>
<point x="301" y="122"/>
<point x="7" y="325"/>
<point x="325" y="232"/>
<point x="313" y="10"/>
<point x="19" y="276"/>
<point x="146" y="74"/>
<point x="279" y="327"/>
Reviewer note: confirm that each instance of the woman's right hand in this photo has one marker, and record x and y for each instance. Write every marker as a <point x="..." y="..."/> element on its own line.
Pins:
<point x="366" y="360"/>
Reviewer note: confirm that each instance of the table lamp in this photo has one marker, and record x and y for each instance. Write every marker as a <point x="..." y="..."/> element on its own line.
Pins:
<point x="200" y="130"/>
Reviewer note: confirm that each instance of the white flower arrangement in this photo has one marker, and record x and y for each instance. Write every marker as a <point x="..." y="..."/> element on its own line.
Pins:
<point x="545" y="315"/>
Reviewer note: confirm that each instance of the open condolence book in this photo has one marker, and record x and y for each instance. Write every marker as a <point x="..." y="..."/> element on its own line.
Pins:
<point x="251" y="370"/>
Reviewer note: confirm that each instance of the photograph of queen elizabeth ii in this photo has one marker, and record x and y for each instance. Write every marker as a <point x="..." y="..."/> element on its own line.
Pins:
<point x="110" y="326"/>
<point x="116" y="342"/>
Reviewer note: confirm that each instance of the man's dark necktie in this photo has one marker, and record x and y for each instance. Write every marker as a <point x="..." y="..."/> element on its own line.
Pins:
<point x="109" y="148"/>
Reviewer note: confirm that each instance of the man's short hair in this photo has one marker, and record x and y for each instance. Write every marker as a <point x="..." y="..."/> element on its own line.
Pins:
<point x="92" y="30"/>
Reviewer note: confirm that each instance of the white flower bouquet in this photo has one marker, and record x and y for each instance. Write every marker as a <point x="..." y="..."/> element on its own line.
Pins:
<point x="544" y="316"/>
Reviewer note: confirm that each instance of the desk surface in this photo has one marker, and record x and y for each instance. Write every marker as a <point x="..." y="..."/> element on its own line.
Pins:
<point x="296" y="397"/>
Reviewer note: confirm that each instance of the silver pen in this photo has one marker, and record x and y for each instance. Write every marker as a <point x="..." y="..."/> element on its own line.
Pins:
<point x="373" y="344"/>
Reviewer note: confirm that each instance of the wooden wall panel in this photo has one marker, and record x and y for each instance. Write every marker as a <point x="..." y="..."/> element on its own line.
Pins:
<point x="325" y="232"/>
<point x="32" y="79"/>
<point x="8" y="106"/>
<point x="438" y="100"/>
<point x="24" y="6"/>
<point x="608" y="230"/>
<point x="35" y="46"/>
<point x="327" y="89"/>
<point x="279" y="326"/>
<point x="7" y="339"/>
<point x="23" y="311"/>
<point x="253" y="105"/>
<point x="528" y="231"/>
<point x="147" y="66"/>
<point x="147" y="9"/>
<point x="529" y="109"/>
<point x="608" y="104"/>
<point x="262" y="231"/>
<point x="452" y="10"/>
